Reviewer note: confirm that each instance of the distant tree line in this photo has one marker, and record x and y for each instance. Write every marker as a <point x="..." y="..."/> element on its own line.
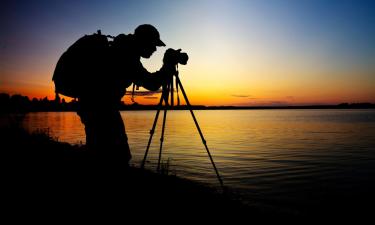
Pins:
<point x="20" y="103"/>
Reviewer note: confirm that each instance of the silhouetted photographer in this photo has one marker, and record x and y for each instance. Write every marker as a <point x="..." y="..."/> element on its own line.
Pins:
<point x="97" y="72"/>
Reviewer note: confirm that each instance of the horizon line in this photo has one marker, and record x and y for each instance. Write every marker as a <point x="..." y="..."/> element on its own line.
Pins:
<point x="123" y="103"/>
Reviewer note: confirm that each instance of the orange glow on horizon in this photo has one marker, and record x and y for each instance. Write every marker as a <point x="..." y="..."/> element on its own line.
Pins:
<point x="255" y="87"/>
<point x="220" y="96"/>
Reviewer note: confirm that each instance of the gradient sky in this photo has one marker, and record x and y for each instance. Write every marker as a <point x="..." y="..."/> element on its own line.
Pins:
<point x="264" y="52"/>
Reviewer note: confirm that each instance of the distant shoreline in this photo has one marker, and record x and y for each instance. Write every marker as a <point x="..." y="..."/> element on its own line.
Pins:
<point x="19" y="103"/>
<point x="201" y="107"/>
<point x="195" y="107"/>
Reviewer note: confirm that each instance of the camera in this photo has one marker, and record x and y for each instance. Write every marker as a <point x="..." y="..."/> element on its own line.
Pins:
<point x="175" y="57"/>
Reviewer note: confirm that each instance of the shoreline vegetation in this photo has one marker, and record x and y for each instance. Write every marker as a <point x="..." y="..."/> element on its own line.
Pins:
<point x="20" y="103"/>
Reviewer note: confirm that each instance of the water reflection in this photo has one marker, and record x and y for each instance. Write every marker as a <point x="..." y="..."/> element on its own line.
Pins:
<point x="65" y="126"/>
<point x="278" y="154"/>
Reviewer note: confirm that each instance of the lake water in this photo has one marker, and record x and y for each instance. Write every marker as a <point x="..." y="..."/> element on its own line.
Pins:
<point x="272" y="158"/>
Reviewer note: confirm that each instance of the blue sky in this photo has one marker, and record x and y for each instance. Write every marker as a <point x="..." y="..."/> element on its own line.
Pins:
<point x="239" y="47"/>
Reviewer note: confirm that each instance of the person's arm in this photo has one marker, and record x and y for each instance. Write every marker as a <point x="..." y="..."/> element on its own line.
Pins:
<point x="153" y="81"/>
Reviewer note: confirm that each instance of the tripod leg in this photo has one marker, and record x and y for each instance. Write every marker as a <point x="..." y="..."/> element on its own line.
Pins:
<point x="162" y="137"/>
<point x="172" y="94"/>
<point x="152" y="132"/>
<point x="199" y="130"/>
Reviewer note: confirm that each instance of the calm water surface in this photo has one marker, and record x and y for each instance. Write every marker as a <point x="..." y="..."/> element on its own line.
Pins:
<point x="272" y="158"/>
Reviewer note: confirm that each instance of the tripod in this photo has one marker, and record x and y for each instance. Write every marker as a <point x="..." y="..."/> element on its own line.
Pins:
<point x="168" y="88"/>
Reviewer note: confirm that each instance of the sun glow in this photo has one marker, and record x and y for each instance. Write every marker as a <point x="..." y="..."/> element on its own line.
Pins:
<point x="240" y="52"/>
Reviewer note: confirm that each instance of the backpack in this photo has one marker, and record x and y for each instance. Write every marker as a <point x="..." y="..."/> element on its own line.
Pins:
<point x="79" y="69"/>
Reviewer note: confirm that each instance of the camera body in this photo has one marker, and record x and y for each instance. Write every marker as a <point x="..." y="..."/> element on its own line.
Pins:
<point x="175" y="57"/>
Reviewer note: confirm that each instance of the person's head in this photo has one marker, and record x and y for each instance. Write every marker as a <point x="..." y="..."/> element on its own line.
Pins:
<point x="147" y="39"/>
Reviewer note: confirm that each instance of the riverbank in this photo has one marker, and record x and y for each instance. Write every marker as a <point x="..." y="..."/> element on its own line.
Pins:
<point x="45" y="175"/>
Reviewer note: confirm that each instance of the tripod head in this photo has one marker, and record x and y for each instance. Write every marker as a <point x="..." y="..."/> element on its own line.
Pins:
<point x="169" y="87"/>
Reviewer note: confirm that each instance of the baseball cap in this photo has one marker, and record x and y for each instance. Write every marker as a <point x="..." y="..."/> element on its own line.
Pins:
<point x="148" y="33"/>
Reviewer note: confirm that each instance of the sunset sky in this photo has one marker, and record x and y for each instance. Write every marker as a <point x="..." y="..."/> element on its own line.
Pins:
<point x="248" y="52"/>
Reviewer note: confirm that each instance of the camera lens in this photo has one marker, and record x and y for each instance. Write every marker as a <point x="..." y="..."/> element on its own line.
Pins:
<point x="183" y="58"/>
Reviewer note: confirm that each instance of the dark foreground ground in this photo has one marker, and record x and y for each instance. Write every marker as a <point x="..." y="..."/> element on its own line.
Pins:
<point x="42" y="177"/>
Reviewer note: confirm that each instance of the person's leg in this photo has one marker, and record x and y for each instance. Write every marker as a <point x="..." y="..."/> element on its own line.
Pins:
<point x="111" y="140"/>
<point x="89" y="122"/>
<point x="118" y="138"/>
<point x="106" y="136"/>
